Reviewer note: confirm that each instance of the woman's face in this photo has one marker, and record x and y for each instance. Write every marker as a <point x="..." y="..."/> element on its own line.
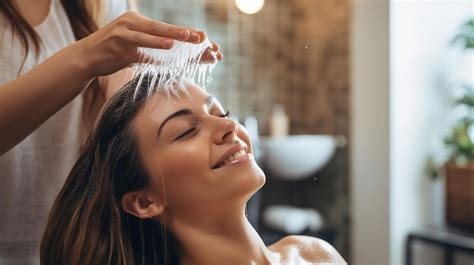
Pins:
<point x="195" y="156"/>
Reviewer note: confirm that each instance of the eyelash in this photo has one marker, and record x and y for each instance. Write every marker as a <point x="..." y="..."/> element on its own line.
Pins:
<point x="225" y="115"/>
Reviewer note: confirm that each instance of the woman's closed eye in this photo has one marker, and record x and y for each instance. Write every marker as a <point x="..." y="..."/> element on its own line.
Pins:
<point x="186" y="133"/>
<point x="226" y="114"/>
<point x="190" y="132"/>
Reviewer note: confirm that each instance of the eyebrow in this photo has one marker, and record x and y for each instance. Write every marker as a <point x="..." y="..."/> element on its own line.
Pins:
<point x="183" y="112"/>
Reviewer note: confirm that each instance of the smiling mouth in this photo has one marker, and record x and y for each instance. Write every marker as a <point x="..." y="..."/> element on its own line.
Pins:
<point x="239" y="156"/>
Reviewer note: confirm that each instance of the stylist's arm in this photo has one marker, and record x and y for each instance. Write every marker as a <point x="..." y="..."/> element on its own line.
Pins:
<point x="29" y="100"/>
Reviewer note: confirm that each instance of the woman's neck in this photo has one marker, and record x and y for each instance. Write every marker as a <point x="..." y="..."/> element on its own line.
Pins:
<point x="220" y="238"/>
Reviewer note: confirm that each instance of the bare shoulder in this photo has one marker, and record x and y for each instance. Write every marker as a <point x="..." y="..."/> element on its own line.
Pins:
<point x="310" y="249"/>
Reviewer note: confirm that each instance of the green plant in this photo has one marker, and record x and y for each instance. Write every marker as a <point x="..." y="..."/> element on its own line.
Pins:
<point x="466" y="35"/>
<point x="460" y="140"/>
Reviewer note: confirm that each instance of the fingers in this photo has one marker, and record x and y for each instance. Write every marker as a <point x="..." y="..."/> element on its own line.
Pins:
<point x="202" y="34"/>
<point x="145" y="58"/>
<point x="208" y="56"/>
<point x="143" y="24"/>
<point x="211" y="57"/>
<point x="148" y="33"/>
<point x="219" y="56"/>
<point x="150" y="41"/>
<point x="215" y="47"/>
<point x="212" y="54"/>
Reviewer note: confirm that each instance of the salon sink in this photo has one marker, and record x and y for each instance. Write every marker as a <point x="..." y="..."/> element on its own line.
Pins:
<point x="297" y="156"/>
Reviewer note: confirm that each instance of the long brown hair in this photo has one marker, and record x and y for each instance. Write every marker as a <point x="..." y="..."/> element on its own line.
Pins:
<point x="87" y="224"/>
<point x="79" y="12"/>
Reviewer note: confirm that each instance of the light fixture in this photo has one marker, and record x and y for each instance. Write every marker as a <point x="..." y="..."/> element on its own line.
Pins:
<point x="249" y="6"/>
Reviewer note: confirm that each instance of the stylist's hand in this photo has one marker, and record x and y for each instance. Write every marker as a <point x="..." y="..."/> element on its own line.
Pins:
<point x="116" y="45"/>
<point x="212" y="54"/>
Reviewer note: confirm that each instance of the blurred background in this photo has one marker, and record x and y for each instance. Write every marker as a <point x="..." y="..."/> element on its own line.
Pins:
<point x="361" y="112"/>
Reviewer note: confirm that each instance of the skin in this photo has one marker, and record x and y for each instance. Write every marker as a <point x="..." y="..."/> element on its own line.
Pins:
<point x="34" y="97"/>
<point x="205" y="207"/>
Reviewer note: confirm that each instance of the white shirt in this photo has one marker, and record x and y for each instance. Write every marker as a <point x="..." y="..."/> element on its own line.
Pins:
<point x="33" y="172"/>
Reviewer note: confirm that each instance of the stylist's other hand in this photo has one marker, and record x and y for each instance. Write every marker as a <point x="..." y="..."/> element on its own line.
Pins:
<point x="212" y="54"/>
<point x="116" y="45"/>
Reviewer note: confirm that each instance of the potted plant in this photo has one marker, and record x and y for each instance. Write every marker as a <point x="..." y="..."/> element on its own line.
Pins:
<point x="459" y="169"/>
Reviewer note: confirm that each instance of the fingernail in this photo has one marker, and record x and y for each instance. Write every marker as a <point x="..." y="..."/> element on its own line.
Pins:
<point x="183" y="34"/>
<point x="195" y="37"/>
<point x="168" y="43"/>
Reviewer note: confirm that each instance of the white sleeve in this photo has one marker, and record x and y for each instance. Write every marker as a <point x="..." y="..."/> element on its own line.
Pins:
<point x="115" y="8"/>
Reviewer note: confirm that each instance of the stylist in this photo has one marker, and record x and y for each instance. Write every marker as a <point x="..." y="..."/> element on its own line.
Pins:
<point x="57" y="67"/>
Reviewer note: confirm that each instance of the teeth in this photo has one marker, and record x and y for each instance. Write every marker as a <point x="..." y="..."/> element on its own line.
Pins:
<point x="232" y="157"/>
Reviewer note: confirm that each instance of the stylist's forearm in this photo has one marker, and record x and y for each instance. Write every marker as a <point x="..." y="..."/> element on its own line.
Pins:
<point x="30" y="100"/>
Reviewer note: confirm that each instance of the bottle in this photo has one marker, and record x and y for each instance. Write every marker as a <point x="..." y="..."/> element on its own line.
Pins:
<point x="279" y="123"/>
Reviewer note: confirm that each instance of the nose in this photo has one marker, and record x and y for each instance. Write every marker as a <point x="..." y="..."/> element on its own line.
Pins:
<point x="225" y="130"/>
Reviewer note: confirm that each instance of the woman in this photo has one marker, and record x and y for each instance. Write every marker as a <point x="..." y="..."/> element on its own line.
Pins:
<point x="164" y="180"/>
<point x="45" y="44"/>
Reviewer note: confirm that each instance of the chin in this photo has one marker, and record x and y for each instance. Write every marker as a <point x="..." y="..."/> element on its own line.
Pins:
<point x="253" y="179"/>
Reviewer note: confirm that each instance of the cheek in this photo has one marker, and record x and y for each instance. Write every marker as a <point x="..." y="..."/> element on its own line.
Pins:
<point x="183" y="171"/>
<point x="183" y="159"/>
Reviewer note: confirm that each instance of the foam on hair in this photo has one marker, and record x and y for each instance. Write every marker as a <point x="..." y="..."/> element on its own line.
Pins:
<point x="168" y="69"/>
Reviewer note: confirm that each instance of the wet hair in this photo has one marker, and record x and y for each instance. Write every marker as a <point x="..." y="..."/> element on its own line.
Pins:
<point x="87" y="224"/>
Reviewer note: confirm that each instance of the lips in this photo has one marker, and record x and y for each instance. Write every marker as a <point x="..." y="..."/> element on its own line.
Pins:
<point x="231" y="154"/>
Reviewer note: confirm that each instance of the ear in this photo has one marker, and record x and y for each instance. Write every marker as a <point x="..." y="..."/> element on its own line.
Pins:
<point x="138" y="204"/>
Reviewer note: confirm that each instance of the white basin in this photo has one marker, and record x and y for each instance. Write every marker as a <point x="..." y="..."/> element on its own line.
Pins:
<point x="297" y="156"/>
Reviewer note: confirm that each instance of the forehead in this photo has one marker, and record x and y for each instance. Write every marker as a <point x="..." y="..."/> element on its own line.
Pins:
<point x="161" y="104"/>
